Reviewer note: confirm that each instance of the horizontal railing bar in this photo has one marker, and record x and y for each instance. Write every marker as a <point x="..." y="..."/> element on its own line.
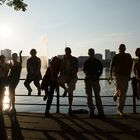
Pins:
<point x="58" y="95"/>
<point x="67" y="105"/>
<point x="78" y="78"/>
<point x="63" y="97"/>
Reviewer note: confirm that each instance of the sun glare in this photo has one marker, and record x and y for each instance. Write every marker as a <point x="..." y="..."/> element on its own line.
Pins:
<point x="6" y="30"/>
<point x="6" y="99"/>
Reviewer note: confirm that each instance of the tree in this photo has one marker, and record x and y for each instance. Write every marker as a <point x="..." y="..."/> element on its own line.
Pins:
<point x="16" y="4"/>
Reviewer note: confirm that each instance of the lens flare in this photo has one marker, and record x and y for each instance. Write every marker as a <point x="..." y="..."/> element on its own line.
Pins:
<point x="6" y="99"/>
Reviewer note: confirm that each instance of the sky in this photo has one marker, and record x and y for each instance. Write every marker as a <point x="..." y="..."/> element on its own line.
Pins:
<point x="50" y="25"/>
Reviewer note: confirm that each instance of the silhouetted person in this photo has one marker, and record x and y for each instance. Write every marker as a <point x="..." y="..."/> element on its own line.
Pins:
<point x="121" y="66"/>
<point x="14" y="76"/>
<point x="4" y="69"/>
<point x="49" y="82"/>
<point x="33" y="72"/>
<point x="93" y="69"/>
<point x="136" y="70"/>
<point x="68" y="75"/>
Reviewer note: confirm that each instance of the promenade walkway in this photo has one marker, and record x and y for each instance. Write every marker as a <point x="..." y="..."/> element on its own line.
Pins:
<point x="33" y="126"/>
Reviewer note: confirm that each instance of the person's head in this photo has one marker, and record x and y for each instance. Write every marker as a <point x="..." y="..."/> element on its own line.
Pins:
<point x="137" y="52"/>
<point x="33" y="52"/>
<point x="2" y="59"/>
<point x="14" y="56"/>
<point x="91" y="52"/>
<point x="56" y="61"/>
<point x="67" y="51"/>
<point x="122" y="48"/>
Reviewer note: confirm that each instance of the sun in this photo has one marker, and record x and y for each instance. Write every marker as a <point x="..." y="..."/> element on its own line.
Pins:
<point x="6" y="30"/>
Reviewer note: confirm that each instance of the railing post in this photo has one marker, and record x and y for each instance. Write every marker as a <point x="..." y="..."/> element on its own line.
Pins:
<point x="57" y="100"/>
<point x="134" y="88"/>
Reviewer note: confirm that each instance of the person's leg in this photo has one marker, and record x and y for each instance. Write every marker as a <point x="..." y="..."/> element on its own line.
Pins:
<point x="12" y="87"/>
<point x="50" y="98"/>
<point x="37" y="84"/>
<point x="65" y="89"/>
<point x="96" y="88"/>
<point x="61" y="82"/>
<point x="70" y="89"/>
<point x="27" y="85"/>
<point x="11" y="95"/>
<point x="1" y="99"/>
<point x="2" y="89"/>
<point x="117" y="89"/>
<point x="88" y="89"/>
<point x="123" y="89"/>
<point x="46" y="89"/>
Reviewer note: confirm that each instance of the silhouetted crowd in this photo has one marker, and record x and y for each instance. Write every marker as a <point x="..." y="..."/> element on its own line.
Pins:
<point x="62" y="72"/>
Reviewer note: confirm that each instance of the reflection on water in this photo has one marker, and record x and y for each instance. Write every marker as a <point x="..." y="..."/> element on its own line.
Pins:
<point x="6" y="99"/>
<point x="106" y="90"/>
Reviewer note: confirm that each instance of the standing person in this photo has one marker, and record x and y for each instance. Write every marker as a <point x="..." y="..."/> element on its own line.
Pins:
<point x="136" y="70"/>
<point x="93" y="69"/>
<point x="121" y="66"/>
<point x="4" y="69"/>
<point x="49" y="82"/>
<point x="14" y="75"/>
<point x="68" y="76"/>
<point x="33" y="72"/>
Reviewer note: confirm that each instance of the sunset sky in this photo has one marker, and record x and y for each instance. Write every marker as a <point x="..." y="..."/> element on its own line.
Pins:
<point x="50" y="25"/>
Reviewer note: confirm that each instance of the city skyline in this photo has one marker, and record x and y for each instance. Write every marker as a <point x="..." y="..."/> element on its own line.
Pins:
<point x="50" y="25"/>
<point x="8" y="53"/>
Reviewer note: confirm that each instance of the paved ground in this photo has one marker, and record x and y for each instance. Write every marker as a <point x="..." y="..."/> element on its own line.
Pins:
<point x="32" y="126"/>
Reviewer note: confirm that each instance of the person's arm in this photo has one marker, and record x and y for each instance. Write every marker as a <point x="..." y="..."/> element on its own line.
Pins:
<point x="20" y="57"/>
<point x="85" y="67"/>
<point x="111" y="67"/>
<point x="131" y="63"/>
<point x="100" y="69"/>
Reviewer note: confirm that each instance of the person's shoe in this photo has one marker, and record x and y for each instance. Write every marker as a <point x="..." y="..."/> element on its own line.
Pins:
<point x="65" y="93"/>
<point x="121" y="113"/>
<point x="45" y="97"/>
<point x="101" y="116"/>
<point x="29" y="92"/>
<point x="47" y="114"/>
<point x="138" y="97"/>
<point x="70" y="112"/>
<point x="91" y="114"/>
<point x="115" y="98"/>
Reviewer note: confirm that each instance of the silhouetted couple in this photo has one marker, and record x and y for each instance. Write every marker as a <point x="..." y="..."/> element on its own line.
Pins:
<point x="67" y="68"/>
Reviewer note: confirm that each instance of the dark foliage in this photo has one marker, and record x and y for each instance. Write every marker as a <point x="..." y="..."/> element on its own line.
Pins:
<point x="16" y="4"/>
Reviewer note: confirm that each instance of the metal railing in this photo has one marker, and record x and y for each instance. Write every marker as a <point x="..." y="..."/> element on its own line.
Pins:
<point x="58" y="105"/>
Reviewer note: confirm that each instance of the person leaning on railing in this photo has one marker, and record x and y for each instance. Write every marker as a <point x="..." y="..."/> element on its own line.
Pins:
<point x="136" y="70"/>
<point x="93" y="69"/>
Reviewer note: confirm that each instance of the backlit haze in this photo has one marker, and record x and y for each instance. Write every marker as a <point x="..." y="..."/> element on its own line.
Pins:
<point x="50" y="25"/>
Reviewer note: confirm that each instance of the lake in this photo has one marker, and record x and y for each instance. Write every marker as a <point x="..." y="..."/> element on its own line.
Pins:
<point x="106" y="90"/>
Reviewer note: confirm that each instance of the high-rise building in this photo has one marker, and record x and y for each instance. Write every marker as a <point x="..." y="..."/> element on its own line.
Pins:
<point x="99" y="56"/>
<point x="107" y="54"/>
<point x="6" y="53"/>
<point x="112" y="54"/>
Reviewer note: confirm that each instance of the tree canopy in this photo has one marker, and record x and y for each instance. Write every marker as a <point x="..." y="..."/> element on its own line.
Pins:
<point x="16" y="4"/>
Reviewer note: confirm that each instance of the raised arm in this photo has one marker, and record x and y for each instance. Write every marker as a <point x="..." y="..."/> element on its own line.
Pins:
<point x="20" y="56"/>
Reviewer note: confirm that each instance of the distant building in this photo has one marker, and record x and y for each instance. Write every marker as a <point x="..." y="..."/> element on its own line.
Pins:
<point x="81" y="60"/>
<point x="112" y="54"/>
<point x="107" y="54"/>
<point x="6" y="53"/>
<point x="99" y="56"/>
